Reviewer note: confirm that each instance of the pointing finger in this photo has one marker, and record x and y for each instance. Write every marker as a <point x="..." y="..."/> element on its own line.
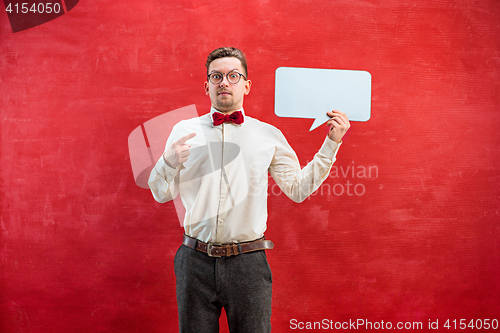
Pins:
<point x="183" y="139"/>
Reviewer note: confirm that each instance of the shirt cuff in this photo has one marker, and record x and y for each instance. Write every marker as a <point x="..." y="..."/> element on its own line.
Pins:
<point x="330" y="148"/>
<point x="165" y="170"/>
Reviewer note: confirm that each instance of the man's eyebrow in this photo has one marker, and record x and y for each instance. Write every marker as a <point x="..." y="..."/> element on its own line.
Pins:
<point x="232" y="70"/>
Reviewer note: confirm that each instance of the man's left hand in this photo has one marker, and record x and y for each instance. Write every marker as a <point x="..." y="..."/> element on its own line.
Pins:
<point x="339" y="124"/>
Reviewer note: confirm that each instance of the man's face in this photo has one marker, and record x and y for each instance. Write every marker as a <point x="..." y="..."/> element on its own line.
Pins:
<point x="225" y="96"/>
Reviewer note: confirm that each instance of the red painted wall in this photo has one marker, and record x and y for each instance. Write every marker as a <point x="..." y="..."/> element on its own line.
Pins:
<point x="84" y="249"/>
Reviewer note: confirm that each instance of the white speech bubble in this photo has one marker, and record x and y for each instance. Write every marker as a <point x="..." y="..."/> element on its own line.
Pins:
<point x="311" y="92"/>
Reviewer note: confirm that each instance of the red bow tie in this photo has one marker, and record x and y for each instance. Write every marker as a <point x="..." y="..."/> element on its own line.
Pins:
<point x="235" y="117"/>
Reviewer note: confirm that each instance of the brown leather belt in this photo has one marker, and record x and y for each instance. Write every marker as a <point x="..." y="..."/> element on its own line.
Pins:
<point x="227" y="250"/>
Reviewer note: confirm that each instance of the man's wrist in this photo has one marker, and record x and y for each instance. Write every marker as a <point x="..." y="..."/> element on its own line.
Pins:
<point x="166" y="162"/>
<point x="330" y="148"/>
<point x="338" y="142"/>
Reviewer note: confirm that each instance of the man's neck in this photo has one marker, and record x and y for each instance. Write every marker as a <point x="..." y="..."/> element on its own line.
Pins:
<point x="227" y="111"/>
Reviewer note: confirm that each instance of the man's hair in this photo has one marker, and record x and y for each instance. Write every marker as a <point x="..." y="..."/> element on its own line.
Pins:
<point x="224" y="52"/>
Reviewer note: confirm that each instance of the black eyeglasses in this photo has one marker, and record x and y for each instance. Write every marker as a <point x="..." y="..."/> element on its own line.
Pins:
<point x="233" y="77"/>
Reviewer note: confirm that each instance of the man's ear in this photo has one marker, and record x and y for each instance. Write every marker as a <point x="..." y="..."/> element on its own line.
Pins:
<point x="248" y="84"/>
<point x="206" y="87"/>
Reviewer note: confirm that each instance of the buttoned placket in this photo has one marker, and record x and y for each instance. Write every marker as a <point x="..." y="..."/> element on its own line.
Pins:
<point x="221" y="214"/>
<point x="226" y="200"/>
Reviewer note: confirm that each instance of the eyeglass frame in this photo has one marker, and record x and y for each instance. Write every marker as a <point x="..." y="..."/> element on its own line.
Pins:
<point x="227" y="77"/>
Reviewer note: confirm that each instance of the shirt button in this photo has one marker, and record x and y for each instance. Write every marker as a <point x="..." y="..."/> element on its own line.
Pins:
<point x="221" y="221"/>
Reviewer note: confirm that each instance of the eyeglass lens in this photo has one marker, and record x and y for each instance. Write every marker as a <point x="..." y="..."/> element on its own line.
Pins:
<point x="232" y="77"/>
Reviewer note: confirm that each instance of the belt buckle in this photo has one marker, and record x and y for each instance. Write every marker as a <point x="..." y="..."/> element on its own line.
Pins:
<point x="209" y="250"/>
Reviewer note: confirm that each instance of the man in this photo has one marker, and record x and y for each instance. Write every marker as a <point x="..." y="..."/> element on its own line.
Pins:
<point x="219" y="165"/>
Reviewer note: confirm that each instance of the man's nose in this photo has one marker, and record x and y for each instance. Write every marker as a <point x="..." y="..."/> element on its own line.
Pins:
<point x="225" y="81"/>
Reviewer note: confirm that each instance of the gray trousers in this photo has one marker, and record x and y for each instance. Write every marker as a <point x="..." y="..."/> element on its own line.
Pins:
<point x="241" y="284"/>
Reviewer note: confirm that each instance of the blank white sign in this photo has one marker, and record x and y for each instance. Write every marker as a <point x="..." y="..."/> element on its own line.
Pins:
<point x="311" y="92"/>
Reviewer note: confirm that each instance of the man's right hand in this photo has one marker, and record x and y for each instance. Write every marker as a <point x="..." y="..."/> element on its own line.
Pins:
<point x="178" y="153"/>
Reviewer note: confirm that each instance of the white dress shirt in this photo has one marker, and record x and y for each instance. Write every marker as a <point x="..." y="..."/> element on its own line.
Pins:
<point x="224" y="183"/>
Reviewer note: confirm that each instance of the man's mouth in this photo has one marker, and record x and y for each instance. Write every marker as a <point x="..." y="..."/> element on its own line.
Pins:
<point x="224" y="92"/>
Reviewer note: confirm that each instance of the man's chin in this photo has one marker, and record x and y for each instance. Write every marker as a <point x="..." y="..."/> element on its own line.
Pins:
<point x="225" y="105"/>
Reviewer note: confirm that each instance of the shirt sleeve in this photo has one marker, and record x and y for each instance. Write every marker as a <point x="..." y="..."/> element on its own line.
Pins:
<point x="299" y="183"/>
<point x="164" y="180"/>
